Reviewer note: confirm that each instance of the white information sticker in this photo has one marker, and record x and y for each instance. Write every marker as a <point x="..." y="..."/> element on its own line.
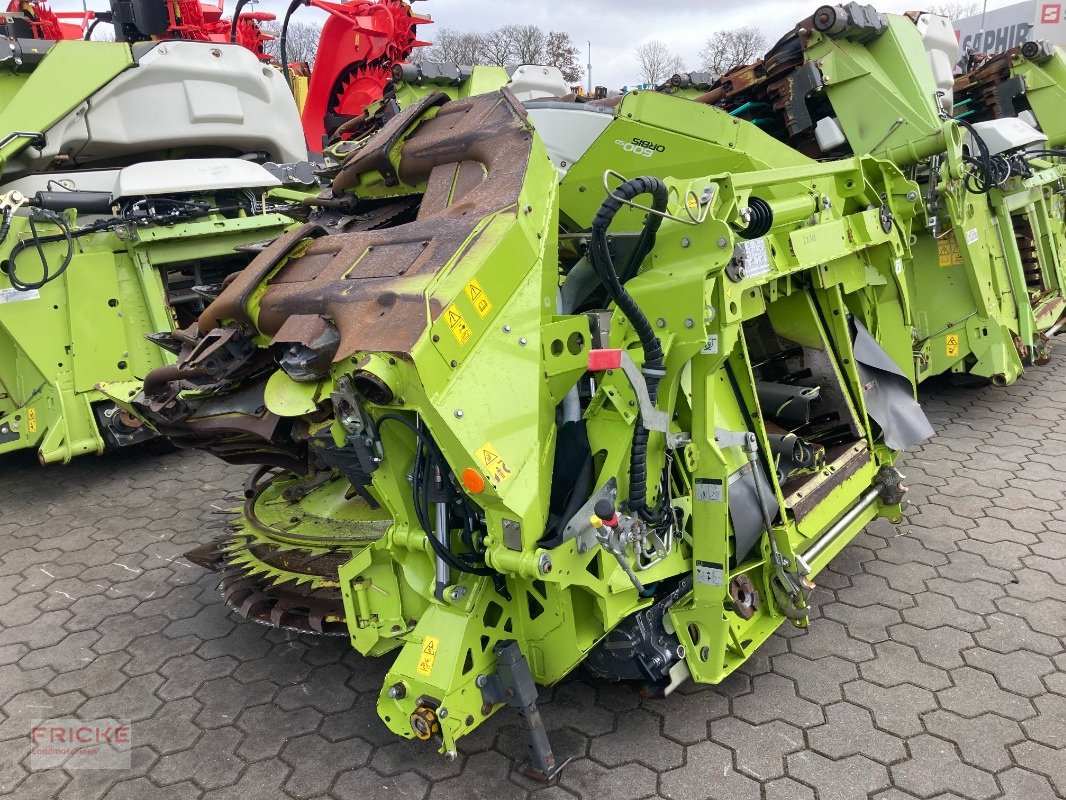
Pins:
<point x="756" y="257"/>
<point x="15" y="295"/>
<point x="709" y="574"/>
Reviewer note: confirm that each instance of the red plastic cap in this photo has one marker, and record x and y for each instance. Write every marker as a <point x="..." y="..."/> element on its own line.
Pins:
<point x="600" y="360"/>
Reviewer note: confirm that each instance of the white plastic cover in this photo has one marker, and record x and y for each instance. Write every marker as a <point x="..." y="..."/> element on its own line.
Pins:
<point x="179" y="95"/>
<point x="153" y="178"/>
<point x="1004" y="135"/>
<point x="942" y="47"/>
<point x="184" y="176"/>
<point x="568" y="130"/>
<point x="531" y="82"/>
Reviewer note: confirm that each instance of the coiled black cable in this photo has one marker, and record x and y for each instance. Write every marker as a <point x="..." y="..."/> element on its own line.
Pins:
<point x="36" y="241"/>
<point x="989" y="171"/>
<point x="653" y="370"/>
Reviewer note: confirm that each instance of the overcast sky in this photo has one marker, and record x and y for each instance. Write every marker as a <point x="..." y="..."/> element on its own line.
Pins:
<point x="614" y="27"/>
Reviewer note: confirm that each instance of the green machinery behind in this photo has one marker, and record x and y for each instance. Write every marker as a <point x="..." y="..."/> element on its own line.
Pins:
<point x="988" y="273"/>
<point x="134" y="222"/>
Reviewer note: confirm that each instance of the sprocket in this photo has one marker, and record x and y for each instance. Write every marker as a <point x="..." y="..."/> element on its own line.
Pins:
<point x="284" y="579"/>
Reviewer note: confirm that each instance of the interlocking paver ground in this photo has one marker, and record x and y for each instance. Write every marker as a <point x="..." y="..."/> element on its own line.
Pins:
<point x="934" y="666"/>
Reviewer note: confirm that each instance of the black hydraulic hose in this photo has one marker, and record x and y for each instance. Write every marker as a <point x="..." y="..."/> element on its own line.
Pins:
<point x="92" y="27"/>
<point x="284" y="37"/>
<point x="236" y="18"/>
<point x="425" y="464"/>
<point x="653" y="370"/>
<point x="580" y="493"/>
<point x="36" y="242"/>
<point x="5" y="225"/>
<point x="989" y="173"/>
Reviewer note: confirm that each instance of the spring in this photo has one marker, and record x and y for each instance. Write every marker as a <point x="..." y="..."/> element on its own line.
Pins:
<point x="760" y="221"/>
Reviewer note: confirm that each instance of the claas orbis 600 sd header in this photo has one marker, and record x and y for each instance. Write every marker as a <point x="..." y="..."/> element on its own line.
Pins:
<point x="522" y="398"/>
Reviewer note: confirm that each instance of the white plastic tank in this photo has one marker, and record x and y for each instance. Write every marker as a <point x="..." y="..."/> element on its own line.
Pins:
<point x="942" y="47"/>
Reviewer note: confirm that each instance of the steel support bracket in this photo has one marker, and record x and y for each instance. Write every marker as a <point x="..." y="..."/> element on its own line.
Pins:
<point x="513" y="685"/>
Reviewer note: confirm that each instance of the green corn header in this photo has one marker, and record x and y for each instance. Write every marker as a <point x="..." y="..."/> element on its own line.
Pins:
<point x="553" y="383"/>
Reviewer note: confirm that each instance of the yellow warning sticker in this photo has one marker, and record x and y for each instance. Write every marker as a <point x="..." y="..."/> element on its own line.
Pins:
<point x="495" y="466"/>
<point x="430" y="648"/>
<point x="456" y="323"/>
<point x="478" y="299"/>
<point x="31" y="420"/>
<point x="948" y="251"/>
<point x="952" y="348"/>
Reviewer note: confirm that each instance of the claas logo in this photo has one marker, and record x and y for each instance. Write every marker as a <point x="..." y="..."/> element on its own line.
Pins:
<point x="1050" y="14"/>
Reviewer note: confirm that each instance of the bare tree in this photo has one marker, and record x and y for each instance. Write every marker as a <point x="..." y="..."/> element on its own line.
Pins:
<point x="564" y="54"/>
<point x="656" y="62"/>
<point x="731" y="48"/>
<point x="454" y="46"/>
<point x="511" y="44"/>
<point x="675" y="66"/>
<point x="497" y="48"/>
<point x="528" y="43"/>
<point x="301" y="41"/>
<point x="955" y="11"/>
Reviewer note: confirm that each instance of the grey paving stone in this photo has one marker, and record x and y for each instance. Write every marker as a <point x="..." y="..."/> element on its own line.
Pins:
<point x="935" y="767"/>
<point x="983" y="741"/>
<point x="852" y="778"/>
<point x="896" y="709"/>
<point x="759" y="750"/>
<point x="638" y="740"/>
<point x="976" y="692"/>
<point x="708" y="773"/>
<point x="849" y="731"/>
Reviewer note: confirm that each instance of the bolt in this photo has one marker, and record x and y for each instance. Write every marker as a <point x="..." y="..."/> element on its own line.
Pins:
<point x="522" y="342"/>
<point x="722" y="241"/>
<point x="686" y="242"/>
<point x="457" y="593"/>
<point x="660" y="322"/>
<point x="397" y="691"/>
<point x="912" y="196"/>
<point x="689" y="323"/>
<point x="443" y="713"/>
<point x="506" y="328"/>
<point x="458" y="413"/>
<point x="451" y="755"/>
<point x="545" y="564"/>
<point x="481" y="681"/>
